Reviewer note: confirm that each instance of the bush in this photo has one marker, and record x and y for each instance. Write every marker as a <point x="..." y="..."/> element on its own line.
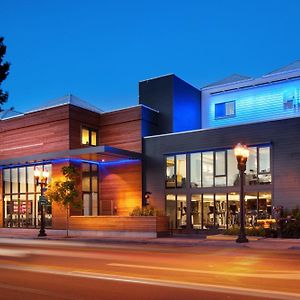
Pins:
<point x="145" y="211"/>
<point x="252" y="231"/>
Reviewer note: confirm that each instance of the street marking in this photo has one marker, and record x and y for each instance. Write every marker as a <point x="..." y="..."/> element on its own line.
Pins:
<point x="292" y="275"/>
<point x="13" y="253"/>
<point x="163" y="283"/>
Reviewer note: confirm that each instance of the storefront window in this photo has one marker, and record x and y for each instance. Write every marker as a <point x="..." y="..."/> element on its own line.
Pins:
<point x="220" y="210"/>
<point x="170" y="172"/>
<point x="208" y="211"/>
<point x="196" y="211"/>
<point x="171" y="209"/>
<point x="233" y="209"/>
<point x="264" y="205"/>
<point x="264" y="176"/>
<point x="232" y="170"/>
<point x="181" y="170"/>
<point x="208" y="169"/>
<point x="251" y="208"/>
<point x="181" y="211"/>
<point x="196" y="170"/>
<point x="21" y="197"/>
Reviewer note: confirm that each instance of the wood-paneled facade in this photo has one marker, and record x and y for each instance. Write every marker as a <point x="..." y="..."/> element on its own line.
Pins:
<point x="59" y="129"/>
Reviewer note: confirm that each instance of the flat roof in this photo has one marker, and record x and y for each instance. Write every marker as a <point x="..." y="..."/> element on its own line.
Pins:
<point x="97" y="154"/>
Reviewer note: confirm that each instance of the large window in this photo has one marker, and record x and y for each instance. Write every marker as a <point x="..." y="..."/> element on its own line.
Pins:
<point x="88" y="136"/>
<point x="21" y="196"/>
<point x="208" y="169"/>
<point x="196" y="169"/>
<point x="176" y="173"/>
<point x="90" y="189"/>
<point x="225" y="109"/>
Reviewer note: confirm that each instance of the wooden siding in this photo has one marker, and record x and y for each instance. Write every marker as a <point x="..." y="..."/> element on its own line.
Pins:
<point x="121" y="185"/>
<point x="113" y="223"/>
<point x="122" y="129"/>
<point x="34" y="133"/>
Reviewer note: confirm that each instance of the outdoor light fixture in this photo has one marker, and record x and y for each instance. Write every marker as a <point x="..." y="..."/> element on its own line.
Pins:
<point x="241" y="153"/>
<point x="41" y="178"/>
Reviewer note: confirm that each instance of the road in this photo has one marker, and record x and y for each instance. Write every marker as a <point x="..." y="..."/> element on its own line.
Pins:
<point x="34" y="269"/>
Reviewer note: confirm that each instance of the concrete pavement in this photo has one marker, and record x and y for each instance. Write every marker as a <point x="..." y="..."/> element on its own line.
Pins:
<point x="218" y="240"/>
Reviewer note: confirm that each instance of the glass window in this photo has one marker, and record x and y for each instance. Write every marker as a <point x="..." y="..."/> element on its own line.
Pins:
<point x="181" y="170"/>
<point x="220" y="210"/>
<point x="14" y="179"/>
<point x="86" y="204"/>
<point x="251" y="167"/>
<point x="88" y="136"/>
<point x="208" y="211"/>
<point x="171" y="209"/>
<point x="30" y="179"/>
<point x="207" y="169"/>
<point x="225" y="109"/>
<point x="220" y="163"/>
<point x="233" y="209"/>
<point x="264" y="205"/>
<point x="181" y="211"/>
<point x="22" y="179"/>
<point x="196" y="211"/>
<point x="232" y="170"/>
<point x="94" y="204"/>
<point x="196" y="170"/>
<point x="170" y="172"/>
<point x="264" y="159"/>
<point x="6" y="179"/>
<point x="251" y="208"/>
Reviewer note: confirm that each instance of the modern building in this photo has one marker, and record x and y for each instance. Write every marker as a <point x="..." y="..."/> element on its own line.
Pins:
<point x="176" y="145"/>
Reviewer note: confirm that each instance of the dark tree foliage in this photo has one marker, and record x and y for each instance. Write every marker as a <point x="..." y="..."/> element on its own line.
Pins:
<point x="4" y="71"/>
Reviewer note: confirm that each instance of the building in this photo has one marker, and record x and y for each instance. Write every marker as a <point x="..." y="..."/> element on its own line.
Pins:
<point x="176" y="145"/>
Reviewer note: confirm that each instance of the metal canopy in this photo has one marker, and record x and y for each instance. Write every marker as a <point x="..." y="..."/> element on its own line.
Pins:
<point x="97" y="154"/>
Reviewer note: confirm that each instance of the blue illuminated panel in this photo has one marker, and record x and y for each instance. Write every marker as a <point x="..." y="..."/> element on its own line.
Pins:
<point x="269" y="102"/>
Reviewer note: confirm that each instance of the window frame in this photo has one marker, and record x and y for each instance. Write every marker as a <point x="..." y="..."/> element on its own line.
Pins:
<point x="225" y="116"/>
<point x="90" y="130"/>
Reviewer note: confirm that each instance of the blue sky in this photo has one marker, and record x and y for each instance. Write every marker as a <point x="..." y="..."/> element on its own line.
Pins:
<point x="99" y="50"/>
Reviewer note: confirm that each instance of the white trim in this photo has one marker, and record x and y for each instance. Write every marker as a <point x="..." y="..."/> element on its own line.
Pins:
<point x="169" y="74"/>
<point x="129" y="107"/>
<point x="21" y="147"/>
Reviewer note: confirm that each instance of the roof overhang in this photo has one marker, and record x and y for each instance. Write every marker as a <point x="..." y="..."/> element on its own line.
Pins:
<point x="96" y="154"/>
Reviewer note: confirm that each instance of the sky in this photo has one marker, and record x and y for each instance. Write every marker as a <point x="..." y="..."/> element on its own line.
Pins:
<point x="100" y="50"/>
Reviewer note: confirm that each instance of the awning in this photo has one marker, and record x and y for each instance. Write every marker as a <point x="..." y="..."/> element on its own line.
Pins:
<point x="97" y="154"/>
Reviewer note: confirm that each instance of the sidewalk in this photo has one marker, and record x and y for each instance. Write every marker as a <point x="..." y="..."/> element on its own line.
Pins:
<point x="179" y="241"/>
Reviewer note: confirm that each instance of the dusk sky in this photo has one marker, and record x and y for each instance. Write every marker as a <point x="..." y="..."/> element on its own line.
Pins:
<point x="99" y="50"/>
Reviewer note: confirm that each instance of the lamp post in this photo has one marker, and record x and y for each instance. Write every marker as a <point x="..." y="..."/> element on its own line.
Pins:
<point x="241" y="153"/>
<point x="41" y="178"/>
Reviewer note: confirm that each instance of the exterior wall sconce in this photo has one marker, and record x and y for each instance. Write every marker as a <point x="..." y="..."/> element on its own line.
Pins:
<point x="41" y="178"/>
<point x="242" y="153"/>
<point x="146" y="198"/>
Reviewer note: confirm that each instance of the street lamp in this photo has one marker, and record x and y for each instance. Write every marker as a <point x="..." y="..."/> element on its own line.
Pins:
<point x="241" y="153"/>
<point x="41" y="178"/>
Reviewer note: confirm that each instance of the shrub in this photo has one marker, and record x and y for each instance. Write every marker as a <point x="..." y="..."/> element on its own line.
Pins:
<point x="145" y="211"/>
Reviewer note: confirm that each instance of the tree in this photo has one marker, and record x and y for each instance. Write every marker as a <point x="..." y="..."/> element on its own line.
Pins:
<point x="4" y="71"/>
<point x="64" y="191"/>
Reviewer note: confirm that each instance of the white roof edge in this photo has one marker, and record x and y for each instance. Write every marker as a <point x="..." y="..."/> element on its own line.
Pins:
<point x="11" y="117"/>
<point x="227" y="84"/>
<point x="214" y="128"/>
<point x="282" y="72"/>
<point x="128" y="107"/>
<point x="156" y="77"/>
<point x="46" y="107"/>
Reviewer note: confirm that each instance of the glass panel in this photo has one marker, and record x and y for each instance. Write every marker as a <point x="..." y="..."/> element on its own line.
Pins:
<point x="85" y="167"/>
<point x="94" y="184"/>
<point x="85" y="139"/>
<point x="220" y="181"/>
<point x="207" y="169"/>
<point x="31" y="211"/>
<point x="208" y="211"/>
<point x="86" y="183"/>
<point x="251" y="209"/>
<point x="49" y="169"/>
<point x="220" y="210"/>
<point x="196" y="210"/>
<point x="93" y="138"/>
<point x="94" y="204"/>
<point x="232" y="170"/>
<point x="171" y="210"/>
<point x="220" y="163"/>
<point x="196" y="170"/>
<point x="170" y="172"/>
<point x="22" y="179"/>
<point x="7" y="212"/>
<point x="22" y="211"/>
<point x="14" y="179"/>
<point x="264" y="205"/>
<point x="181" y="170"/>
<point x="94" y="168"/>
<point x="86" y="204"/>
<point x="251" y="167"/>
<point x="30" y="179"/>
<point x="264" y="159"/>
<point x="181" y="211"/>
<point x="233" y="209"/>
<point x="6" y="178"/>
<point x="230" y="108"/>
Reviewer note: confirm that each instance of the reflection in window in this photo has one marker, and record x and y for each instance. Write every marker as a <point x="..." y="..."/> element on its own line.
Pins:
<point x="181" y="170"/>
<point x="208" y="169"/>
<point x="196" y="170"/>
<point x="170" y="172"/>
<point x="181" y="211"/>
<point x="196" y="211"/>
<point x="232" y="170"/>
<point x="171" y="209"/>
<point x="220" y="168"/>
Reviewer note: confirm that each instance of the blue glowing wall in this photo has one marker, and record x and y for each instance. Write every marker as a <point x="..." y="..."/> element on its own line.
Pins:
<point x="254" y="104"/>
